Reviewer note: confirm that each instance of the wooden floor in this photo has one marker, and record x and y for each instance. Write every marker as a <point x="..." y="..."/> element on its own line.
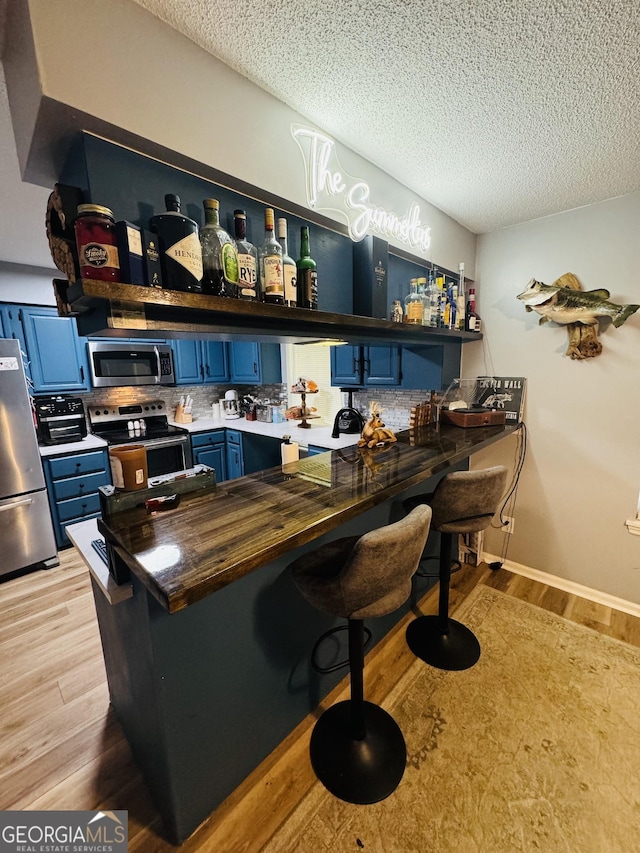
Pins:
<point x="62" y="748"/>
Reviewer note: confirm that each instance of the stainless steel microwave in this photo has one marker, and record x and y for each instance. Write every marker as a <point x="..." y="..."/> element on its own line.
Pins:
<point x="115" y="364"/>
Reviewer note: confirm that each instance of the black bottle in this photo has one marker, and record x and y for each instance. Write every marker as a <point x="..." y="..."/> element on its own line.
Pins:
<point x="180" y="250"/>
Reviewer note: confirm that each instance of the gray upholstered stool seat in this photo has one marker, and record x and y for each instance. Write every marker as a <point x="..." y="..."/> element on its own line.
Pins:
<point x="462" y="502"/>
<point x="357" y="749"/>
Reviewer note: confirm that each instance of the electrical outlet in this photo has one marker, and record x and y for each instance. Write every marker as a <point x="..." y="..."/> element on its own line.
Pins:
<point x="509" y="524"/>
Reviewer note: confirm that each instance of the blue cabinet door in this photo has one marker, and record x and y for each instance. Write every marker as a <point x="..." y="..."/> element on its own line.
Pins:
<point x="251" y="363"/>
<point x="215" y="362"/>
<point x="187" y="360"/>
<point x="56" y="352"/>
<point x="12" y="328"/>
<point x="198" y="362"/>
<point x="234" y="461"/>
<point x="381" y="366"/>
<point x="214" y="458"/>
<point x="244" y="362"/>
<point x="345" y="365"/>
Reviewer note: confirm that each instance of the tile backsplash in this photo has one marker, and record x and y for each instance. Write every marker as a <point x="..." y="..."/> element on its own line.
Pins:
<point x="203" y="395"/>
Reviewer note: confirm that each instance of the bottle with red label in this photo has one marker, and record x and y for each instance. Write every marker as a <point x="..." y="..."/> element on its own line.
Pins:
<point x="95" y="231"/>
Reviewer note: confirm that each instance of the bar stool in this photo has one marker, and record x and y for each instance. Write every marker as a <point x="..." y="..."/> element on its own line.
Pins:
<point x="357" y="749"/>
<point x="463" y="502"/>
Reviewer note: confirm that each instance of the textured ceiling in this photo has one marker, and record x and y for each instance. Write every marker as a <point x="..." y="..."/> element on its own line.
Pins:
<point x="496" y="111"/>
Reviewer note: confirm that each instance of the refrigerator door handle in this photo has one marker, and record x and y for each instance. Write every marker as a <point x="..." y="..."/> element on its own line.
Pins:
<point x="25" y="502"/>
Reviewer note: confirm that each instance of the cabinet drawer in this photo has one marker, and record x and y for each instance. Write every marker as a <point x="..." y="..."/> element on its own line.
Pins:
<point x="233" y="436"/>
<point x="208" y="439"/>
<point x="81" y="463"/>
<point x="78" y="508"/>
<point x="74" y="487"/>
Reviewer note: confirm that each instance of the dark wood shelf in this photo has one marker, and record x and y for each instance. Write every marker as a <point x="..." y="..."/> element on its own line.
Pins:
<point x="126" y="310"/>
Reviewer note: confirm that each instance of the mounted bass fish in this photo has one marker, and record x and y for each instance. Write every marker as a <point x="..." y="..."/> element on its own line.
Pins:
<point x="565" y="302"/>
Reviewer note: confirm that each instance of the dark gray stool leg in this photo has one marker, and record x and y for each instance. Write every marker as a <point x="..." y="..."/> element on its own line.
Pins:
<point x="439" y="640"/>
<point x="357" y="749"/>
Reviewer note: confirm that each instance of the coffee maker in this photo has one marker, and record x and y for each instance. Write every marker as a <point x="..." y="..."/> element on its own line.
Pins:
<point x="230" y="406"/>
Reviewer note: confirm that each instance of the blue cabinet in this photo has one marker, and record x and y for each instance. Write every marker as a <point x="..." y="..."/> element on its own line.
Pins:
<point x="209" y="449"/>
<point x="56" y="354"/>
<point x="357" y="366"/>
<point x="411" y="368"/>
<point x="72" y="486"/>
<point x="200" y="362"/>
<point x="251" y="363"/>
<point x="216" y="362"/>
<point x="234" y="453"/>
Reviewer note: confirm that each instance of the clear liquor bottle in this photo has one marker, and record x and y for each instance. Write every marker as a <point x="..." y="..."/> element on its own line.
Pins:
<point x="247" y="258"/>
<point x="270" y="258"/>
<point x="460" y="303"/>
<point x="219" y="254"/>
<point x="289" y="270"/>
<point x="413" y="304"/>
<point x="434" y="302"/>
<point x="307" y="273"/>
<point x="423" y="294"/>
<point x="180" y="250"/>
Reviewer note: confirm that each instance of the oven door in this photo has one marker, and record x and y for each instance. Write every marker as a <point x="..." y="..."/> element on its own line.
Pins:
<point x="168" y="455"/>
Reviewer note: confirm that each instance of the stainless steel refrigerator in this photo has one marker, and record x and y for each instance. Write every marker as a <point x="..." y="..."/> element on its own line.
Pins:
<point x="26" y="530"/>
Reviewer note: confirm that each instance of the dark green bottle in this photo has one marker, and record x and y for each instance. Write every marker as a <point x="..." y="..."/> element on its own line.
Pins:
<point x="307" y="283"/>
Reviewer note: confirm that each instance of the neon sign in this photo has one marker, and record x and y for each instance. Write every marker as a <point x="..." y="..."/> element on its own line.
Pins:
<point x="329" y="188"/>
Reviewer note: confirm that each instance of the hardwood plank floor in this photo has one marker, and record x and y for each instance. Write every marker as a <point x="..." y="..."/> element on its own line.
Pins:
<point x="62" y="748"/>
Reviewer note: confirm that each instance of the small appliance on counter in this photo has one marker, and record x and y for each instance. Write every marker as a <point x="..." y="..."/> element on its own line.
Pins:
<point x="60" y="419"/>
<point x="230" y="405"/>
<point x="348" y="420"/>
<point x="468" y="403"/>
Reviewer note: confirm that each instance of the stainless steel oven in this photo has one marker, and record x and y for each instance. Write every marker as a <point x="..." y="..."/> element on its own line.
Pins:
<point x="115" y="364"/>
<point x="168" y="446"/>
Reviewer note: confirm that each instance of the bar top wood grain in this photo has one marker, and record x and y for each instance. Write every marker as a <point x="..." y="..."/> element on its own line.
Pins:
<point x="213" y="539"/>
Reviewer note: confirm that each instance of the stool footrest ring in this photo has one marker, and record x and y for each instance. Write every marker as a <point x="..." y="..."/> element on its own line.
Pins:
<point x="323" y="670"/>
<point x="364" y="770"/>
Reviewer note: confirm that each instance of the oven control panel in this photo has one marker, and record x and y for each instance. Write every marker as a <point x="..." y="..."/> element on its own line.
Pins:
<point x="103" y="414"/>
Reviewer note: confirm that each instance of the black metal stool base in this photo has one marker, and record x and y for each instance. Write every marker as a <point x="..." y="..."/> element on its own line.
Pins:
<point x="457" y="648"/>
<point x="358" y="771"/>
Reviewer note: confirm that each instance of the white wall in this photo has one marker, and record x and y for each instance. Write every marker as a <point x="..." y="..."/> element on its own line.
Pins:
<point x="582" y="472"/>
<point x="165" y="89"/>
<point x="27" y="285"/>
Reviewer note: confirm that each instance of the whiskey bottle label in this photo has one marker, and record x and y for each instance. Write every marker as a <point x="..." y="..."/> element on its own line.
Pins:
<point x="99" y="255"/>
<point x="247" y="274"/>
<point x="290" y="292"/>
<point x="229" y="258"/>
<point x="273" y="282"/>
<point x="188" y="253"/>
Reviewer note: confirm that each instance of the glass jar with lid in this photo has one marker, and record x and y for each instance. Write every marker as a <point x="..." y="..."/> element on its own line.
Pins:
<point x="95" y="230"/>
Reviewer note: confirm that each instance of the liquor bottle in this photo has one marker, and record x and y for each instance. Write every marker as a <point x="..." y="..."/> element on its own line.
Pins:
<point x="413" y="304"/>
<point x="442" y="300"/>
<point x="270" y="258"/>
<point x="472" y="320"/>
<point x="452" y="295"/>
<point x="460" y="302"/>
<point x="422" y="293"/>
<point x="247" y="258"/>
<point x="289" y="271"/>
<point x="307" y="273"/>
<point x="219" y="254"/>
<point x="180" y="250"/>
<point x="434" y="302"/>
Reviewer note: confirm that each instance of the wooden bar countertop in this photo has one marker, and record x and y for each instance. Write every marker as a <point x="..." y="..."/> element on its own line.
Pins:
<point x="212" y="539"/>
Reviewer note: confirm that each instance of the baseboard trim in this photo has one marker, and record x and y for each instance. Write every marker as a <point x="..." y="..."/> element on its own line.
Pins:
<point x="566" y="585"/>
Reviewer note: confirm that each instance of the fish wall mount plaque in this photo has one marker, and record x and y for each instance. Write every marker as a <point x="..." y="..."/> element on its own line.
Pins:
<point x="566" y="303"/>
